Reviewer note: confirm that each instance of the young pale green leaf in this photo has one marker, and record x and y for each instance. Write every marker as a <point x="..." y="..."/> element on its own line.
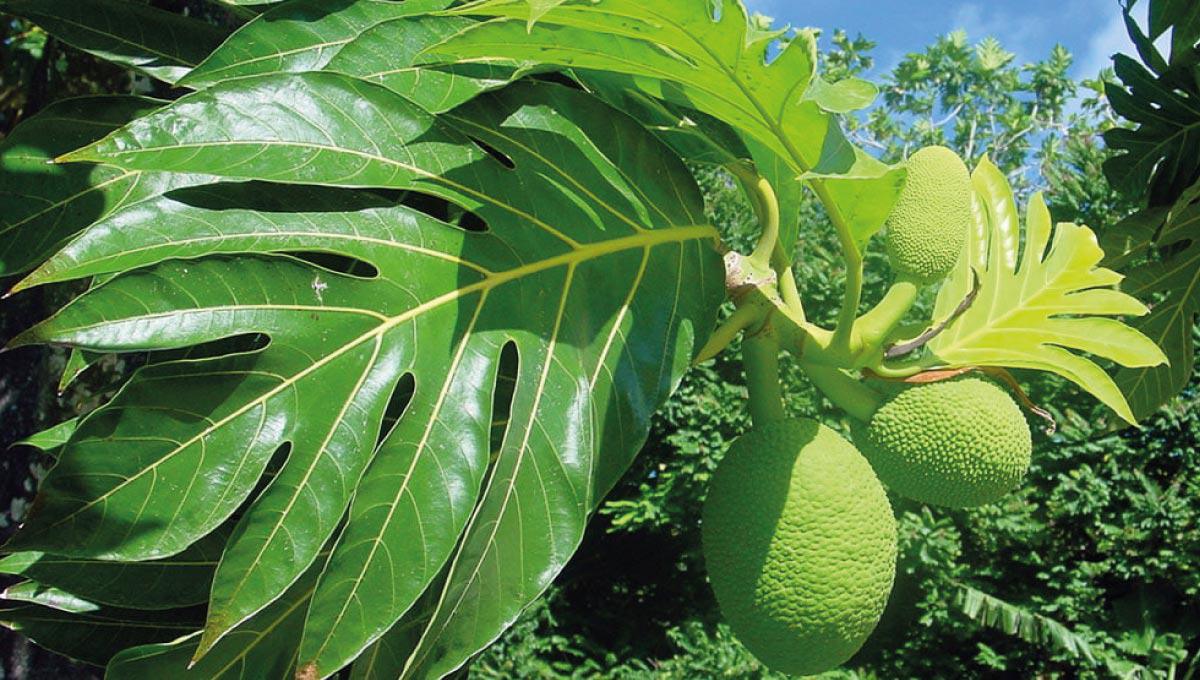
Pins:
<point x="1177" y="280"/>
<point x="163" y="45"/>
<point x="596" y="266"/>
<point x="42" y="204"/>
<point x="95" y="636"/>
<point x="720" y="66"/>
<point x="179" y="581"/>
<point x="1037" y="303"/>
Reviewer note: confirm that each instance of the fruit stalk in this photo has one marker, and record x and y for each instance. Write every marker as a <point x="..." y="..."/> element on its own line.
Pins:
<point x="760" y="358"/>
<point x="846" y="393"/>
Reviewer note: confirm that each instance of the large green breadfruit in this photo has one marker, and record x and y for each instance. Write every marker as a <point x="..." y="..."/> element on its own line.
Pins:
<point x="958" y="443"/>
<point x="927" y="230"/>
<point x="800" y="544"/>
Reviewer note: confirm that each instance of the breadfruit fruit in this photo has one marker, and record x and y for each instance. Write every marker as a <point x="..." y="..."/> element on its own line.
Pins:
<point x="800" y="544"/>
<point x="927" y="230"/>
<point x="958" y="443"/>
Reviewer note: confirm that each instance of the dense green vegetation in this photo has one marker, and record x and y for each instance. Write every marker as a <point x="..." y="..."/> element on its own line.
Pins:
<point x="1092" y="569"/>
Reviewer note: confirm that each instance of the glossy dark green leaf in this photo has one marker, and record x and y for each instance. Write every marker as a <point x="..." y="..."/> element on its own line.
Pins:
<point x="259" y="649"/>
<point x="709" y="58"/>
<point x="94" y="637"/>
<point x="32" y="592"/>
<point x="596" y="265"/>
<point x="52" y="438"/>
<point x="1175" y="279"/>
<point x="376" y="40"/>
<point x="1163" y="152"/>
<point x="180" y="581"/>
<point x="160" y="44"/>
<point x="299" y="36"/>
<point x="42" y="204"/>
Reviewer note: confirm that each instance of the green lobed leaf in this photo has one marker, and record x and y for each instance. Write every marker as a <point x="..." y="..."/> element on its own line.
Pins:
<point x="720" y="66"/>
<point x="262" y="647"/>
<point x="179" y="581"/>
<point x="595" y="265"/>
<point x="1038" y="302"/>
<point x="1173" y="284"/>
<point x="52" y="598"/>
<point x="161" y="44"/>
<point x="95" y="636"/>
<point x="43" y="204"/>
<point x="700" y="138"/>
<point x="50" y="439"/>
<point x="1163" y="151"/>
<point x="376" y="40"/>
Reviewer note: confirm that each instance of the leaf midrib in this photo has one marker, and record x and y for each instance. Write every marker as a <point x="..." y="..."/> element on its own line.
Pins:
<point x="647" y="239"/>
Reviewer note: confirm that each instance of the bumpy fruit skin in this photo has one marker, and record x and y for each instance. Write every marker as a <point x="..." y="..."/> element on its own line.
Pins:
<point x="800" y="544"/>
<point x="958" y="443"/>
<point x="927" y="230"/>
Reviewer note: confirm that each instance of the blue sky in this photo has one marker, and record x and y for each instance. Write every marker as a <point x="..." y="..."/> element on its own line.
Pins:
<point x="1091" y="29"/>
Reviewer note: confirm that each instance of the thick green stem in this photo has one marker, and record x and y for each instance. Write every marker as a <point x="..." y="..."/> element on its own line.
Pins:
<point x="872" y="329"/>
<point x="790" y="294"/>
<point x="852" y="296"/>
<point x="746" y="316"/>
<point x="766" y="208"/>
<point x="848" y="394"/>
<point x="768" y="240"/>
<point x="760" y="357"/>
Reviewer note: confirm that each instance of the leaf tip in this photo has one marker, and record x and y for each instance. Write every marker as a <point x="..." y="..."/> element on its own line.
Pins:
<point x="77" y="156"/>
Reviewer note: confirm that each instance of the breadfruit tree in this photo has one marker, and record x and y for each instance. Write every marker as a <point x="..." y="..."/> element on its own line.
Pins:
<point x="410" y="279"/>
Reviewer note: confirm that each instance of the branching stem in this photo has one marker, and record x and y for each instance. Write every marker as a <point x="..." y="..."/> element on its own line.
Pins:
<point x="848" y="394"/>
<point x="760" y="357"/>
<point x="768" y="239"/>
<point x="872" y="329"/>
<point x="852" y="296"/>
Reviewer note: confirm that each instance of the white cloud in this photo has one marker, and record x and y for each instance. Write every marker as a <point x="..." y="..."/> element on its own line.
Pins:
<point x="768" y="7"/>
<point x="1016" y="30"/>
<point x="1110" y="39"/>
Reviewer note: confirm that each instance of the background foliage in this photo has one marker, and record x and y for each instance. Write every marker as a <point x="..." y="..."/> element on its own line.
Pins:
<point x="1091" y="570"/>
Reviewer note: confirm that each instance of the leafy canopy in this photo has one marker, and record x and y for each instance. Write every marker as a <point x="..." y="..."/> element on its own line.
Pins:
<point x="413" y="278"/>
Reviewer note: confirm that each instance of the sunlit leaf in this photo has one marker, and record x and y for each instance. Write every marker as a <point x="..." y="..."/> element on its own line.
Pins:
<point x="375" y="40"/>
<point x="42" y="204"/>
<point x="52" y="438"/>
<point x="35" y="593"/>
<point x="720" y="66"/>
<point x="1042" y="295"/>
<point x="596" y="265"/>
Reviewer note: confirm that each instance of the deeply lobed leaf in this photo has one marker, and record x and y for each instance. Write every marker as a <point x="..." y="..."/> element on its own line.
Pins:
<point x="595" y="265"/>
<point x="682" y="52"/>
<point x="1039" y="298"/>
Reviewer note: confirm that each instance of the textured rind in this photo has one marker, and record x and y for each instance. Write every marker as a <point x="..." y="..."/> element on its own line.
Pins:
<point x="927" y="230"/>
<point x="800" y="544"/>
<point x="959" y="443"/>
